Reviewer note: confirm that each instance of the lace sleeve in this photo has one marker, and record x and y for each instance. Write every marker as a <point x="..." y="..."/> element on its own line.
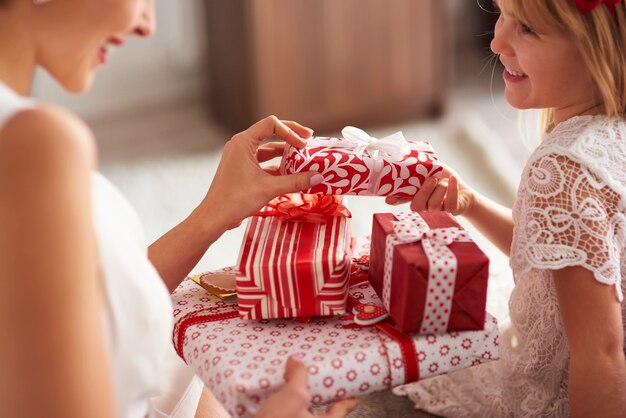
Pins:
<point x="573" y="219"/>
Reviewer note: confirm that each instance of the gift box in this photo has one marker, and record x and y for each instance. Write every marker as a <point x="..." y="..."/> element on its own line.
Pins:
<point x="242" y="362"/>
<point x="359" y="164"/>
<point x="431" y="276"/>
<point x="295" y="259"/>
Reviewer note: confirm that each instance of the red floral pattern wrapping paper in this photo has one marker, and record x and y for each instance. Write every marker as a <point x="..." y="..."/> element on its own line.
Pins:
<point x="243" y="361"/>
<point x="294" y="268"/>
<point x="424" y="296"/>
<point x="363" y="172"/>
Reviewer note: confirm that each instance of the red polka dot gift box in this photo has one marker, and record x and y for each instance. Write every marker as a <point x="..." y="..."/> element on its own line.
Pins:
<point x="359" y="164"/>
<point x="242" y="361"/>
<point x="295" y="259"/>
<point x="431" y="277"/>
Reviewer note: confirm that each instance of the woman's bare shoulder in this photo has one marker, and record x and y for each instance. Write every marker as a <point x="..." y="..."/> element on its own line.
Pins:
<point x="46" y="135"/>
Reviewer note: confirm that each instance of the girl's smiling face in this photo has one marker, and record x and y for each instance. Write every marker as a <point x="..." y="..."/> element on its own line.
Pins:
<point x="73" y="37"/>
<point x="543" y="67"/>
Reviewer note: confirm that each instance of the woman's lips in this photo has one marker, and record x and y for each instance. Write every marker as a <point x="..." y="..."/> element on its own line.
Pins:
<point x="110" y="44"/>
<point x="103" y="55"/>
<point x="116" y="41"/>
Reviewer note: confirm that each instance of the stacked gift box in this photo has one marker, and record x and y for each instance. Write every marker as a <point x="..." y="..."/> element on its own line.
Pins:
<point x="361" y="316"/>
<point x="295" y="259"/>
<point x="359" y="164"/>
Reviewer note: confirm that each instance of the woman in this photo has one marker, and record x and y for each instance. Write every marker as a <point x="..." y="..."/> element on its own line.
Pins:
<point x="85" y="309"/>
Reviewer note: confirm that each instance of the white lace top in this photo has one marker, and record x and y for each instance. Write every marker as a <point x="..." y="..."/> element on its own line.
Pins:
<point x="569" y="212"/>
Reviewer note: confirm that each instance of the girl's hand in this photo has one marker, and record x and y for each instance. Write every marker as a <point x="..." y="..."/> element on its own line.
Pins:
<point x="241" y="186"/>
<point x="292" y="399"/>
<point x="446" y="194"/>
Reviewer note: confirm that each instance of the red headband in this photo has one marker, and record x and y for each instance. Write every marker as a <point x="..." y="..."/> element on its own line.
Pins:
<point x="586" y="6"/>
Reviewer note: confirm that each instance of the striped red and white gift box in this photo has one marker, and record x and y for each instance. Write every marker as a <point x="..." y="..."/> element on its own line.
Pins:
<point x="293" y="268"/>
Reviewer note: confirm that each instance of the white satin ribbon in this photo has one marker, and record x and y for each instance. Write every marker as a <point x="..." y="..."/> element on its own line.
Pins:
<point x="442" y="267"/>
<point x="395" y="146"/>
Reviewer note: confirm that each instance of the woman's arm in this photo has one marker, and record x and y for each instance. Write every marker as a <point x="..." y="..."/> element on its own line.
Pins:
<point x="592" y="317"/>
<point x="52" y="356"/>
<point x="180" y="249"/>
<point x="240" y="188"/>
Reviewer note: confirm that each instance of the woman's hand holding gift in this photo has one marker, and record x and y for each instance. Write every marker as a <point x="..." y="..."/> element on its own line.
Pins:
<point x="239" y="189"/>
<point x="292" y="399"/>
<point x="241" y="185"/>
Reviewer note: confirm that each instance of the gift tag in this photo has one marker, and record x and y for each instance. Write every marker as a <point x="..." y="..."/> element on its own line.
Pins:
<point x="222" y="285"/>
<point x="366" y="315"/>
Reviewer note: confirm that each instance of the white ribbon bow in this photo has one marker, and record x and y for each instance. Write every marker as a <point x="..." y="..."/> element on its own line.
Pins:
<point x="407" y="232"/>
<point x="394" y="145"/>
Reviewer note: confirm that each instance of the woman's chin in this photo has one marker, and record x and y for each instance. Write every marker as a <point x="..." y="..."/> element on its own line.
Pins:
<point x="77" y="84"/>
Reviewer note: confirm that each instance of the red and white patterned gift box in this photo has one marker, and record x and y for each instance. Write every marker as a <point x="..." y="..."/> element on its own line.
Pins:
<point x="295" y="259"/>
<point x="359" y="164"/>
<point x="243" y="361"/>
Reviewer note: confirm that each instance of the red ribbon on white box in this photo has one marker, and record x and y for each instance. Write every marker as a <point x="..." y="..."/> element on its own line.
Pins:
<point x="442" y="269"/>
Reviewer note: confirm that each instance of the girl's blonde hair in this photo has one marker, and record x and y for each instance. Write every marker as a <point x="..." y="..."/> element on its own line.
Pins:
<point x="601" y="39"/>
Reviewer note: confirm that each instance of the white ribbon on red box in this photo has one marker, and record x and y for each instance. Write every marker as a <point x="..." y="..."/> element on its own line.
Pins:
<point x="394" y="146"/>
<point x="442" y="269"/>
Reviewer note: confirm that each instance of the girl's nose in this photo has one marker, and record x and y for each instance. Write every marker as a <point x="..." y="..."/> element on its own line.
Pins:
<point x="500" y="42"/>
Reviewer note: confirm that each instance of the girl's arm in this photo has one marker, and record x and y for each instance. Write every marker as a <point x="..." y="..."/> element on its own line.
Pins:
<point x="493" y="220"/>
<point x="53" y="356"/>
<point x="450" y="194"/>
<point x="592" y="318"/>
<point x="239" y="189"/>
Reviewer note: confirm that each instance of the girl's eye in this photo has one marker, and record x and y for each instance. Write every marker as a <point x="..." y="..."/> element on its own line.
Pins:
<point x="526" y="29"/>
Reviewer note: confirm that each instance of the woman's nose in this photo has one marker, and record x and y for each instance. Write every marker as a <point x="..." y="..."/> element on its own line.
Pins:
<point x="147" y="20"/>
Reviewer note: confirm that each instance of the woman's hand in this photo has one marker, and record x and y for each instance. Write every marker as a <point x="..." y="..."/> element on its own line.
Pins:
<point x="239" y="189"/>
<point x="448" y="194"/>
<point x="292" y="399"/>
<point x="241" y="186"/>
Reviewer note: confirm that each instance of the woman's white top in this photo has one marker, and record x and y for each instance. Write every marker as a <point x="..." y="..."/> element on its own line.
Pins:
<point x="149" y="379"/>
<point x="569" y="212"/>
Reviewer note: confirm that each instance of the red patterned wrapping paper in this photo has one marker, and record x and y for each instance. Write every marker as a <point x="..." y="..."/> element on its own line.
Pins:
<point x="420" y="299"/>
<point x="352" y="169"/>
<point x="295" y="268"/>
<point x="242" y="362"/>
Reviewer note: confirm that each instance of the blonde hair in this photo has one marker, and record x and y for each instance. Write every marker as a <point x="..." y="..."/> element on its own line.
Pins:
<point x="601" y="39"/>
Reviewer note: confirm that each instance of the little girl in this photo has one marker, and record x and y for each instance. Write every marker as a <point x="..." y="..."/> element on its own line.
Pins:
<point x="566" y="235"/>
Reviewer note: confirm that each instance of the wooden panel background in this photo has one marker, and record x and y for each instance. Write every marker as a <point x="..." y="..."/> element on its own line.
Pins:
<point x="328" y="63"/>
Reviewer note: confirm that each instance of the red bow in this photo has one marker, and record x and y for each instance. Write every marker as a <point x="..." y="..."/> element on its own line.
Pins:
<point x="306" y="207"/>
<point x="586" y="6"/>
